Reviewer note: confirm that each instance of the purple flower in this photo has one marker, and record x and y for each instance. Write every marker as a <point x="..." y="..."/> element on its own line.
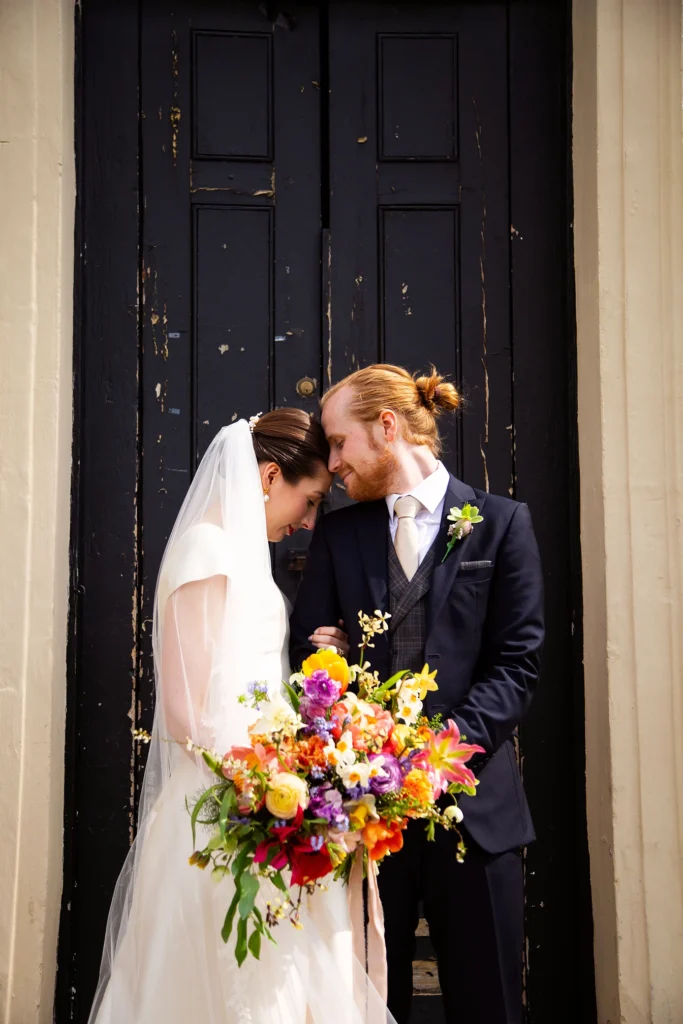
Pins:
<point x="322" y="690"/>
<point x="257" y="691"/>
<point x="327" y="803"/>
<point x="310" y="709"/>
<point x="391" y="781"/>
<point x="356" y="792"/>
<point x="319" y="726"/>
<point x="317" y="842"/>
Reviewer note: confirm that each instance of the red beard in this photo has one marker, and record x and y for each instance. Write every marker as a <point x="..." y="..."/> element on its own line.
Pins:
<point x="377" y="483"/>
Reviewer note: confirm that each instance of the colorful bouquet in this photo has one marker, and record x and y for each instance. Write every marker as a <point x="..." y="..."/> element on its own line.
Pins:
<point x="332" y="777"/>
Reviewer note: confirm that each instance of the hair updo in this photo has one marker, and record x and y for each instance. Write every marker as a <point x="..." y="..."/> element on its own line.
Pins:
<point x="294" y="440"/>
<point x="419" y="399"/>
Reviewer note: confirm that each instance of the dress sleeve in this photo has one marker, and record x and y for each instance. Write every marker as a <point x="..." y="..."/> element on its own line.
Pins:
<point x="200" y="553"/>
<point x="190" y="606"/>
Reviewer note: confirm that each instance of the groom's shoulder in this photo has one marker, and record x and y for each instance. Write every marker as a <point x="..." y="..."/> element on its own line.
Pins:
<point x="498" y="508"/>
<point x="350" y="516"/>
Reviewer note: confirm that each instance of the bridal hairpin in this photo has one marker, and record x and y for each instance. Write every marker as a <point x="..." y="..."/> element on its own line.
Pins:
<point x="253" y="420"/>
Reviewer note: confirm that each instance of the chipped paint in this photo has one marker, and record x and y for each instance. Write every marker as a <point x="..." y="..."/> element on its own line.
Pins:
<point x="174" y="113"/>
<point x="486" y="468"/>
<point x="482" y="273"/>
<point x="404" y="297"/>
<point x="328" y="310"/>
<point x="164" y="331"/>
<point x="160" y="392"/>
<point x="174" y="116"/>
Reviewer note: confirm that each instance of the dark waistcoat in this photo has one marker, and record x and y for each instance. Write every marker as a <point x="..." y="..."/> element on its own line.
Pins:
<point x="408" y="607"/>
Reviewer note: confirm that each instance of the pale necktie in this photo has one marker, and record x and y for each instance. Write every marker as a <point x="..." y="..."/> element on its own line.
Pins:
<point x="406" y="540"/>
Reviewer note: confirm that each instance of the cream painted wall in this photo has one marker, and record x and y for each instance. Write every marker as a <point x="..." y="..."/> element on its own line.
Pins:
<point x="37" y="185"/>
<point x="628" y="162"/>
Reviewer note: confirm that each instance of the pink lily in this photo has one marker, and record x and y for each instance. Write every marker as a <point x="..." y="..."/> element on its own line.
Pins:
<point x="446" y="756"/>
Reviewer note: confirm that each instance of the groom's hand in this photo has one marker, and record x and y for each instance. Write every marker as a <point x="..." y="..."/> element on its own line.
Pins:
<point x="331" y="636"/>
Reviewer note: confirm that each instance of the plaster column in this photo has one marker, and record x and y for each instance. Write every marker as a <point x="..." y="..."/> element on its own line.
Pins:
<point x="37" y="183"/>
<point x="629" y="279"/>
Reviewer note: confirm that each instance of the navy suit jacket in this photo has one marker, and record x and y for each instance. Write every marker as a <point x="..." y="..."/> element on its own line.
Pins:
<point x="484" y="633"/>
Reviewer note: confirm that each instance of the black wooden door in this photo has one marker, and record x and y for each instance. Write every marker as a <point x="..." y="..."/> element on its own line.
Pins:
<point x="272" y="195"/>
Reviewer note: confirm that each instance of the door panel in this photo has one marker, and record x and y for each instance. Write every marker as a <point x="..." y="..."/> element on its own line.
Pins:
<point x="294" y="191"/>
<point x="419" y="204"/>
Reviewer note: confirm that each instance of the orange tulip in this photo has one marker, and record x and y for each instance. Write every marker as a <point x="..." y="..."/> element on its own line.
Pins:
<point x="381" y="837"/>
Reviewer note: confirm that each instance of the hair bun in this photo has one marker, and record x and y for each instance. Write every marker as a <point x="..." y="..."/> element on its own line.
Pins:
<point x="436" y="393"/>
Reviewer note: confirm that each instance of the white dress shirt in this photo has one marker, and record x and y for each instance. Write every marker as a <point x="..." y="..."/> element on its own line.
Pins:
<point x="432" y="493"/>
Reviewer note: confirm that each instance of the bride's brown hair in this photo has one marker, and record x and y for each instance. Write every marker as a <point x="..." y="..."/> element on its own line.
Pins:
<point x="294" y="440"/>
<point x="419" y="399"/>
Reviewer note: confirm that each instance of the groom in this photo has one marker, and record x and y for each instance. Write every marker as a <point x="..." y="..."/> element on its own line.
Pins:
<point x="477" y="617"/>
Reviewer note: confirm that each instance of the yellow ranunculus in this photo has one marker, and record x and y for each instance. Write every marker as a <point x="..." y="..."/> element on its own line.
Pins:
<point x="286" y="794"/>
<point x="336" y="667"/>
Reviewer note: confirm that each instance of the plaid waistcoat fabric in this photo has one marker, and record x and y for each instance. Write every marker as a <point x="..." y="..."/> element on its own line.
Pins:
<point x="408" y="607"/>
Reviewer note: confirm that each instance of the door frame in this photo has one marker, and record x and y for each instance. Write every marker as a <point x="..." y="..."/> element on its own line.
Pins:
<point x="107" y="460"/>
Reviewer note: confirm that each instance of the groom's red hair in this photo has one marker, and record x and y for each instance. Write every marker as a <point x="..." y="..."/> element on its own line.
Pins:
<point x="417" y="399"/>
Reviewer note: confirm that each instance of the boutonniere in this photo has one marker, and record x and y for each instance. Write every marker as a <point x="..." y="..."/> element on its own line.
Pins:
<point x="462" y="523"/>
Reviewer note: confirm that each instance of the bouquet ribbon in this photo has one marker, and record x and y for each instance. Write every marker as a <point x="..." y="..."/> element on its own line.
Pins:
<point x="368" y="946"/>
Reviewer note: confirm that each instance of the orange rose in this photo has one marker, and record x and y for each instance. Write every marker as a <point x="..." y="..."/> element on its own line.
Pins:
<point x="417" y="785"/>
<point x="336" y="667"/>
<point x="381" y="838"/>
<point x="311" y="753"/>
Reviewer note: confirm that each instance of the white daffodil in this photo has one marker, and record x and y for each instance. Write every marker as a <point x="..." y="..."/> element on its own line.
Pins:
<point x="408" y="685"/>
<point x="342" y="753"/>
<point x="361" y="811"/>
<point x="277" y="716"/>
<point x="357" y="774"/>
<point x="408" y="713"/>
<point x="376" y="769"/>
<point x="410" y="698"/>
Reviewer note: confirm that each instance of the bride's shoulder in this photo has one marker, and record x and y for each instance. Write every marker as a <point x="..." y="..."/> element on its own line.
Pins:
<point x="199" y="553"/>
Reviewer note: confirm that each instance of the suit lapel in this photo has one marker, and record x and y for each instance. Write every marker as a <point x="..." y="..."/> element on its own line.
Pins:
<point x="372" y="527"/>
<point x="458" y="494"/>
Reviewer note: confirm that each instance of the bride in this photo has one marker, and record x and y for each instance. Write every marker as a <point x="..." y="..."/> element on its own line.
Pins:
<point x="220" y="622"/>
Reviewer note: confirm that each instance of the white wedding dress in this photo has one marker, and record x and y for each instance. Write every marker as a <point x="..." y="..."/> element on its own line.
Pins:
<point x="220" y="622"/>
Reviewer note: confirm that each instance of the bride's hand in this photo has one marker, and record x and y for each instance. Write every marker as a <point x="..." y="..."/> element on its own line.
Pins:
<point x="331" y="636"/>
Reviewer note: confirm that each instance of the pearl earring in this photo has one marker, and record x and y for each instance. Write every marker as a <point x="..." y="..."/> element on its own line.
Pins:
<point x="266" y="496"/>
